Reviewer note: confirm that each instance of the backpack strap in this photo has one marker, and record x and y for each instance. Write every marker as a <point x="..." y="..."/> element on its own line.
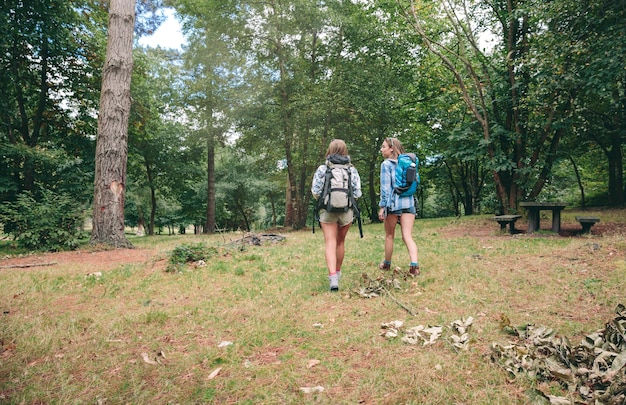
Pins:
<point x="325" y="191"/>
<point x="355" y="206"/>
<point x="320" y="201"/>
<point x="393" y="183"/>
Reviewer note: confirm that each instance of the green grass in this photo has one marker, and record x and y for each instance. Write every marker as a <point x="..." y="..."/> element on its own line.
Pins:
<point x="72" y="339"/>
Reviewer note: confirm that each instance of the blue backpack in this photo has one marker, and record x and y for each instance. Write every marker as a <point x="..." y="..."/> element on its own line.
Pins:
<point x="406" y="176"/>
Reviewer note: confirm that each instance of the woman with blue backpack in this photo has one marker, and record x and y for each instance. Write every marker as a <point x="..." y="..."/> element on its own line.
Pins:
<point x="397" y="204"/>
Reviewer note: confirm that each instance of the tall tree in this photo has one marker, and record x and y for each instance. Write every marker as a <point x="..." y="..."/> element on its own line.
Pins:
<point x="522" y="117"/>
<point x="586" y="41"/>
<point x="49" y="53"/>
<point x="375" y="87"/>
<point x="155" y="137"/>
<point x="112" y="141"/>
<point x="283" y="44"/>
<point x="214" y="30"/>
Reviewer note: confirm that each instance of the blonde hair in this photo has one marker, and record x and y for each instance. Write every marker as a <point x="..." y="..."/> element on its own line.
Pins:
<point x="395" y="144"/>
<point x="337" y="147"/>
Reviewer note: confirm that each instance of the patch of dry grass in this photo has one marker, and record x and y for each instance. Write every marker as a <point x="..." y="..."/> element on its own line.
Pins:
<point x="137" y="334"/>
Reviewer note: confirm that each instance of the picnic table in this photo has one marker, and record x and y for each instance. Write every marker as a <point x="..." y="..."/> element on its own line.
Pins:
<point x="534" y="209"/>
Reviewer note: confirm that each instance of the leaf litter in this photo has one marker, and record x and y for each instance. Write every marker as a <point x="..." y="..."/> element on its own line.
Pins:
<point x="457" y="337"/>
<point x="374" y="287"/>
<point x="593" y="372"/>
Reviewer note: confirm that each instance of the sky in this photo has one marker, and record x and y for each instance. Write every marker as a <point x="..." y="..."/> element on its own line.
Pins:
<point x="167" y="36"/>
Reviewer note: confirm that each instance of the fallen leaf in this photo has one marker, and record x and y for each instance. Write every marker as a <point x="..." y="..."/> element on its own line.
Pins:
<point x="312" y="363"/>
<point x="147" y="359"/>
<point x="311" y="390"/>
<point x="214" y="373"/>
<point x="392" y="325"/>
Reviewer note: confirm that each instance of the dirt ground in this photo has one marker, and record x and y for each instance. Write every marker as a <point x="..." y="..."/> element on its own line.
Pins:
<point x="109" y="259"/>
<point x="93" y="260"/>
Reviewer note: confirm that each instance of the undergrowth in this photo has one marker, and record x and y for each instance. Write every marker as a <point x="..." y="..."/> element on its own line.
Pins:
<point x="188" y="253"/>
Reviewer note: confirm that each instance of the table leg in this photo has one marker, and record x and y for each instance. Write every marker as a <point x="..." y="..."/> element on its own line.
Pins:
<point x="533" y="220"/>
<point x="556" y="221"/>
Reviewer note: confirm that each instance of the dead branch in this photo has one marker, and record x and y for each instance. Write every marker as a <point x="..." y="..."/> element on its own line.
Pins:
<point x="15" y="266"/>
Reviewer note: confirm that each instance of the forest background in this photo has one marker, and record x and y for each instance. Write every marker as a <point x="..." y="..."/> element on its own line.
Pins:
<point x="503" y="101"/>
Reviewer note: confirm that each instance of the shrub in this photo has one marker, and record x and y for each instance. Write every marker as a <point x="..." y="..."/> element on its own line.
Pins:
<point x="183" y="254"/>
<point x="51" y="224"/>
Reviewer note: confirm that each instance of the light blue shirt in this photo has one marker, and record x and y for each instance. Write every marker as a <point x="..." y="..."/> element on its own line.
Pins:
<point x="389" y="199"/>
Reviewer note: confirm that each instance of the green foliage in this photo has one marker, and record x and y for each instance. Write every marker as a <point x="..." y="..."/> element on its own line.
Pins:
<point x="188" y="253"/>
<point x="51" y="224"/>
<point x="49" y="95"/>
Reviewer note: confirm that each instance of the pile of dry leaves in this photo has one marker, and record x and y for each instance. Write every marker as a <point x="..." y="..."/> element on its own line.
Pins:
<point x="592" y="371"/>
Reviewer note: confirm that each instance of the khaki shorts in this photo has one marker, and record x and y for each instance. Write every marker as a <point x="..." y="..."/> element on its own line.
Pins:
<point x="341" y="218"/>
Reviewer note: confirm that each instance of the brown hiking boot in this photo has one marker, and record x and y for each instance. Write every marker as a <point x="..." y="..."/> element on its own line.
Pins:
<point x="384" y="265"/>
<point x="414" y="271"/>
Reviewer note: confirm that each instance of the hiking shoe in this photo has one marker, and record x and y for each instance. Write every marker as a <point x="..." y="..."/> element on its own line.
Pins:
<point x="334" y="282"/>
<point x="414" y="271"/>
<point x="384" y="265"/>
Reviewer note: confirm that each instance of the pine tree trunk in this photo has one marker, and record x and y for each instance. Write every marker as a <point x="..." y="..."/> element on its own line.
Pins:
<point x="210" y="206"/>
<point x="112" y="141"/>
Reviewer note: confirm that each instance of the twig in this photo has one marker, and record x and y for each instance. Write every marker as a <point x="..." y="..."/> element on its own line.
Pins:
<point x="394" y="299"/>
<point x="407" y="309"/>
<point x="13" y="266"/>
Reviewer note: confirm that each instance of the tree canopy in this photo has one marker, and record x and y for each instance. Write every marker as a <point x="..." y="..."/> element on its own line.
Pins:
<point x="503" y="101"/>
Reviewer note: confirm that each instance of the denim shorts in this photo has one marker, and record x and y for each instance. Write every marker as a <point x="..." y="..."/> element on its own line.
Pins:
<point x="341" y="218"/>
<point x="410" y="210"/>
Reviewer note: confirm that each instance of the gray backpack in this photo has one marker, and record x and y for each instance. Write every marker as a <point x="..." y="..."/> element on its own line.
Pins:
<point x="337" y="193"/>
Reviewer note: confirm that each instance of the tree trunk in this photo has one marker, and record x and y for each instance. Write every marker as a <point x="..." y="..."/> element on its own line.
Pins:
<point x="579" y="182"/>
<point x="210" y="205"/>
<point x="153" y="204"/>
<point x="371" y="181"/>
<point x="150" y="177"/>
<point x="616" y="178"/>
<point x="112" y="141"/>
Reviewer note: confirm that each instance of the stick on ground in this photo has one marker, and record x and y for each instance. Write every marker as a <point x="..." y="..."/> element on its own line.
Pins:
<point x="15" y="266"/>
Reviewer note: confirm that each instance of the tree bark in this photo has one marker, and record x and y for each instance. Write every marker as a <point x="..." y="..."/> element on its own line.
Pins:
<point x="112" y="140"/>
<point x="616" y="170"/>
<point x="210" y="206"/>
<point x="579" y="182"/>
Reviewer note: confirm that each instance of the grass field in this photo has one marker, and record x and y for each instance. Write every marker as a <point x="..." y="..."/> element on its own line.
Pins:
<point x="257" y="324"/>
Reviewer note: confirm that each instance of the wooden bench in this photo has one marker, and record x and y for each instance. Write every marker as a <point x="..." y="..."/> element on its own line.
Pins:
<point x="506" y="219"/>
<point x="587" y="222"/>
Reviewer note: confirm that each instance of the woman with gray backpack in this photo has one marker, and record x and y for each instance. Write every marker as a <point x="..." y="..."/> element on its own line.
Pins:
<point x="336" y="185"/>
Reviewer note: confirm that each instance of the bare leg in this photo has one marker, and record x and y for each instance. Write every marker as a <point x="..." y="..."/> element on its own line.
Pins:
<point x="331" y="235"/>
<point x="390" y="230"/>
<point x="341" y="245"/>
<point x="406" y="223"/>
